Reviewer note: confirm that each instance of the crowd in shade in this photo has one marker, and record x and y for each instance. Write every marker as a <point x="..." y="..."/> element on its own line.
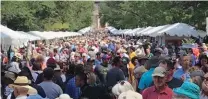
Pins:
<point x="101" y="66"/>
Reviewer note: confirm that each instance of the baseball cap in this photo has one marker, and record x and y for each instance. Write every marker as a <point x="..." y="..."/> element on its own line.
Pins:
<point x="159" y="71"/>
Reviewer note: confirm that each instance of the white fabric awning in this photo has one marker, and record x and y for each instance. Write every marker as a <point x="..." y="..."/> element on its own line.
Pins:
<point x="178" y="29"/>
<point x="85" y="30"/>
<point x="10" y="37"/>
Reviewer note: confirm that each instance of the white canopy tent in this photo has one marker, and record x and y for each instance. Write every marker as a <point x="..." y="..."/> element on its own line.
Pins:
<point x="146" y="29"/>
<point x="112" y="29"/>
<point x="177" y="29"/>
<point x="29" y="36"/>
<point x="153" y="30"/>
<point x="85" y="30"/>
<point x="10" y="37"/>
<point x="201" y="33"/>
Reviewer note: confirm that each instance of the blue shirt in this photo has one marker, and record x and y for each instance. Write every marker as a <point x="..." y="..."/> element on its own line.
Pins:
<point x="97" y="62"/>
<point x="179" y="73"/>
<point x="146" y="79"/>
<point x="72" y="90"/>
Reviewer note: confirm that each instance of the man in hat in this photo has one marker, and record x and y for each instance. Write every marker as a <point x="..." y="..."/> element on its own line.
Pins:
<point x="158" y="52"/>
<point x="171" y="81"/>
<point x="146" y="79"/>
<point x="21" y="88"/>
<point x="160" y="89"/>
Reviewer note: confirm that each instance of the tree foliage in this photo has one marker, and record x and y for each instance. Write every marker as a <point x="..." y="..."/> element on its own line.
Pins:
<point x="46" y="15"/>
<point x="153" y="13"/>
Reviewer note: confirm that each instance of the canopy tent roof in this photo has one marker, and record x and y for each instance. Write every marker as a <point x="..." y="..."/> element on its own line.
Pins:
<point x="29" y="36"/>
<point x="10" y="37"/>
<point x="201" y="33"/>
<point x="53" y="35"/>
<point x="85" y="30"/>
<point x="154" y="30"/>
<point x="112" y="30"/>
<point x="146" y="29"/>
<point x="178" y="29"/>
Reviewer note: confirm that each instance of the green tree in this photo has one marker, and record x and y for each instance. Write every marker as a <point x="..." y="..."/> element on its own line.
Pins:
<point x="46" y="15"/>
<point x="153" y="13"/>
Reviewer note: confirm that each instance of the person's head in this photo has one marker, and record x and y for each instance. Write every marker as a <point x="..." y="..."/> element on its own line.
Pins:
<point x="91" y="78"/>
<point x="80" y="79"/>
<point x="158" y="52"/>
<point x="98" y="55"/>
<point x="26" y="74"/>
<point x="48" y="73"/>
<point x="132" y="49"/>
<point x="169" y="66"/>
<point x="105" y="59"/>
<point x="205" y="84"/>
<point x="159" y="77"/>
<point x="79" y="68"/>
<point x="185" y="61"/>
<point x="117" y="61"/>
<point x="71" y="69"/>
<point x="39" y="59"/>
<point x="77" y="56"/>
<point x="142" y="60"/>
<point x="55" y="51"/>
<point x="139" y="71"/>
<point x="203" y="59"/>
<point x="57" y="71"/>
<point x="134" y="60"/>
<point x="51" y="62"/>
<point x="36" y="66"/>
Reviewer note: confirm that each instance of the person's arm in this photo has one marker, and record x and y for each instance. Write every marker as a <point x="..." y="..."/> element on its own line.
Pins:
<point x="141" y="85"/>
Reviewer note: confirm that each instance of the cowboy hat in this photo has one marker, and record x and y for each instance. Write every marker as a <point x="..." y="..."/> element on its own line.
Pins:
<point x="23" y="81"/>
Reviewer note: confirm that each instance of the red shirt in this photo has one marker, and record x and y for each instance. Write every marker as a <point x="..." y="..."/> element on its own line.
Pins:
<point x="151" y="93"/>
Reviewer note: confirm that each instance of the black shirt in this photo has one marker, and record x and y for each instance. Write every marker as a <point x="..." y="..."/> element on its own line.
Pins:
<point x="174" y="83"/>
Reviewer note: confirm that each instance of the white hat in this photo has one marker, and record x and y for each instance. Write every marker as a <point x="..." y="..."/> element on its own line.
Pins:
<point x="130" y="95"/>
<point x="122" y="86"/>
<point x="64" y="96"/>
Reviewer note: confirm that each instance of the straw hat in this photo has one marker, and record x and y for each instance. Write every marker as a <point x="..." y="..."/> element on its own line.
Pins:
<point x="22" y="81"/>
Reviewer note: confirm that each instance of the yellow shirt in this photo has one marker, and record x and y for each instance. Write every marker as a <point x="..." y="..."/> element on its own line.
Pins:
<point x="133" y="54"/>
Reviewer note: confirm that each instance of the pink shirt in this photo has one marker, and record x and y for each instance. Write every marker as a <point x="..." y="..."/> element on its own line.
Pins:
<point x="151" y="93"/>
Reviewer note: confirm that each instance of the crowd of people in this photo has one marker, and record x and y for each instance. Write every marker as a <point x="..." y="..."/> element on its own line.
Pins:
<point x="100" y="66"/>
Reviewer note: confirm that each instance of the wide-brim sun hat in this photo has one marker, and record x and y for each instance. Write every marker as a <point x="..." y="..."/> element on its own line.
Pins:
<point x="31" y="90"/>
<point x="189" y="90"/>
